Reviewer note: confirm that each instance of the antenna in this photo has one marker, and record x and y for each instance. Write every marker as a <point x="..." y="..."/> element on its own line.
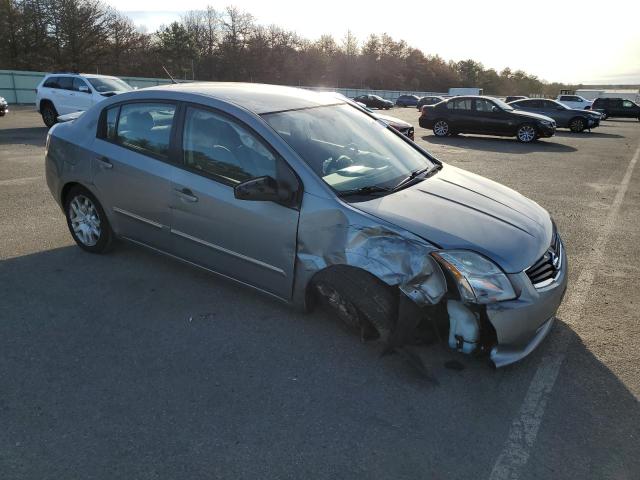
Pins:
<point x="169" y="75"/>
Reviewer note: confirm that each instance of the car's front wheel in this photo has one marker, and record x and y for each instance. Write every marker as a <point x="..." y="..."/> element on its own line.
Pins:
<point x="441" y="128"/>
<point x="605" y="115"/>
<point x="49" y="114"/>
<point x="360" y="300"/>
<point x="87" y="221"/>
<point x="526" y="133"/>
<point x="577" y="125"/>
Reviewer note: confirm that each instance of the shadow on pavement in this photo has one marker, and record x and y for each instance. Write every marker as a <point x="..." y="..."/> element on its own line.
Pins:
<point x="35" y="136"/>
<point x="498" y="144"/>
<point x="587" y="134"/>
<point x="132" y="365"/>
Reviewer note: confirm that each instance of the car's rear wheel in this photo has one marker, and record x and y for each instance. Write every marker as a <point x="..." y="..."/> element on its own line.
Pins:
<point x="361" y="301"/>
<point x="87" y="221"/>
<point x="441" y="128"/>
<point x="526" y="133"/>
<point x="49" y="114"/>
<point x="577" y="125"/>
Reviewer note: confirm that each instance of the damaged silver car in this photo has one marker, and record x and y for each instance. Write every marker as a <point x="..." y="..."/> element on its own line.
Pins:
<point x="309" y="198"/>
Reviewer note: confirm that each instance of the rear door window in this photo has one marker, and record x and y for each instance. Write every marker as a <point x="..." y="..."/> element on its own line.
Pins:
<point x="460" y="104"/>
<point x="145" y="127"/>
<point x="65" y="83"/>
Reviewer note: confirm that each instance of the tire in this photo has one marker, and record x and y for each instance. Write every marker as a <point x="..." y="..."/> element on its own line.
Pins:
<point x="441" y="128"/>
<point x="49" y="114"/>
<point x="526" y="133"/>
<point x="577" y="124"/>
<point x="92" y="232"/>
<point x="605" y="115"/>
<point x="359" y="299"/>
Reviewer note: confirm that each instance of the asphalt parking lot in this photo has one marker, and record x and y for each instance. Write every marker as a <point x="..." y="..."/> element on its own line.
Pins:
<point x="133" y="365"/>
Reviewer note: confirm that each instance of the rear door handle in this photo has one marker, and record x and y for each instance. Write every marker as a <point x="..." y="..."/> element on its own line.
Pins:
<point x="105" y="162"/>
<point x="186" y="194"/>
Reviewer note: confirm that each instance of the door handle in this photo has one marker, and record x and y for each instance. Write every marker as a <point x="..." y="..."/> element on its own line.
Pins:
<point x="105" y="162"/>
<point x="186" y="194"/>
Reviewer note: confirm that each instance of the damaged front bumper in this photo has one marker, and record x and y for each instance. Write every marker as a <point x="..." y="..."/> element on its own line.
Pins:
<point x="523" y="323"/>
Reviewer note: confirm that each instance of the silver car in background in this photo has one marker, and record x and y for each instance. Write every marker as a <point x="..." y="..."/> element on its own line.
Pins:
<point x="308" y="198"/>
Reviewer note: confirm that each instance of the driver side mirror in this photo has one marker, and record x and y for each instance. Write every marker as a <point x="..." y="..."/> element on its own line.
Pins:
<point x="495" y="109"/>
<point x="268" y="189"/>
<point x="83" y="89"/>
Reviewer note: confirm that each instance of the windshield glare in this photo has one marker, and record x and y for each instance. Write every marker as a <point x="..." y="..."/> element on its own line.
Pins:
<point x="347" y="148"/>
<point x="102" y="85"/>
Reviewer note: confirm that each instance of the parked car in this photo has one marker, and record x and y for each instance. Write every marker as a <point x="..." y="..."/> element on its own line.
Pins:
<point x="311" y="199"/>
<point x="574" y="119"/>
<point x="59" y="94"/>
<point x="485" y="115"/>
<point x="575" y="101"/>
<point x="616" y="107"/>
<point x="374" y="101"/>
<point x="407" y="101"/>
<point x="403" y="127"/>
<point x="429" y="100"/>
<point x="513" y="98"/>
<point x="4" y="107"/>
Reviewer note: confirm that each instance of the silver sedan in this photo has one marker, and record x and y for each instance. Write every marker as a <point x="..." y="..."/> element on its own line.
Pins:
<point x="310" y="199"/>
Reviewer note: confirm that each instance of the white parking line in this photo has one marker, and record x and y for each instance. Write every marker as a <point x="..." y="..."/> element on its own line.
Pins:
<point x="524" y="428"/>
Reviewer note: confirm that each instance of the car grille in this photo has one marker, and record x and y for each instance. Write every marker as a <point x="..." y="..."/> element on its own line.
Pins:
<point x="547" y="268"/>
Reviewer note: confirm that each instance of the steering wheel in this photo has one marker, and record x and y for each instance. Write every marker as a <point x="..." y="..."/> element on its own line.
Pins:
<point x="332" y="165"/>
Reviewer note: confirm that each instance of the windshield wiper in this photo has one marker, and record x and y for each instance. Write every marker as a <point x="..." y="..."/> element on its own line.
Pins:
<point x="366" y="190"/>
<point x="415" y="174"/>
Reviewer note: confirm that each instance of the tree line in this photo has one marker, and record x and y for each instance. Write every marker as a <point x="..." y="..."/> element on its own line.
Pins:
<point x="229" y="45"/>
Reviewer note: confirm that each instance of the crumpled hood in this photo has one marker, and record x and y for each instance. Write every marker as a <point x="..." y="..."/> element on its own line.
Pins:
<point x="537" y="116"/>
<point x="456" y="209"/>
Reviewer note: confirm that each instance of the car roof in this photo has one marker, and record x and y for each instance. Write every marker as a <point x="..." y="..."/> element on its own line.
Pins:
<point x="75" y="74"/>
<point x="256" y="97"/>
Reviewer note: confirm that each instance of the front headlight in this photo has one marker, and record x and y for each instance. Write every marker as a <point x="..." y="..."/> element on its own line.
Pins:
<point x="479" y="280"/>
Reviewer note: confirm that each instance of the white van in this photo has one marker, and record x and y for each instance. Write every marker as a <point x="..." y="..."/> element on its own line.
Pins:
<point x="63" y="93"/>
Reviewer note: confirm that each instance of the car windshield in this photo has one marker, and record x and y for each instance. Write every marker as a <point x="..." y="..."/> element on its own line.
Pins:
<point x="376" y="97"/>
<point x="347" y="148"/>
<point x="104" y="84"/>
<point x="501" y="104"/>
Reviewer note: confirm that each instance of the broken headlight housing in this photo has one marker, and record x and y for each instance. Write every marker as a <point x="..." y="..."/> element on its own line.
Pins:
<point x="479" y="280"/>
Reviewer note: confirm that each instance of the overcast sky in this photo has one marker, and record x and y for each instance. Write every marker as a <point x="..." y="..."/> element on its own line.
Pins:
<point x="568" y="41"/>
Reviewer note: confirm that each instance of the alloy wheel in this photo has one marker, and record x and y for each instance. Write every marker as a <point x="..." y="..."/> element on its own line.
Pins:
<point x="577" y="125"/>
<point x="441" y="128"/>
<point x="85" y="220"/>
<point x="526" y="133"/>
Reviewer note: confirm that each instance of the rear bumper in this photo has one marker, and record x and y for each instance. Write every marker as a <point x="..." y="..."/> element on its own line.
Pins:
<point x="425" y="122"/>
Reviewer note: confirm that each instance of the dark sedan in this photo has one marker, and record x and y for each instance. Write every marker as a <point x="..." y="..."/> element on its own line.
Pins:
<point x="429" y="100"/>
<point x="374" y="101"/>
<point x="485" y="115"/>
<point x="616" y="107"/>
<point x="574" y="119"/>
<point x="407" y="101"/>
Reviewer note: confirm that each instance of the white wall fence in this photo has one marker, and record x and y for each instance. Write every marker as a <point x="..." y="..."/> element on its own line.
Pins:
<point x="19" y="87"/>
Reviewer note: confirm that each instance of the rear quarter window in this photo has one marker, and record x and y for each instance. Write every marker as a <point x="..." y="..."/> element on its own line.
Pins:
<point x="51" y="82"/>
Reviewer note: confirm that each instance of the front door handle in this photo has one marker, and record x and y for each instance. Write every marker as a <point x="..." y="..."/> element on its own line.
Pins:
<point x="186" y="194"/>
<point x="105" y="162"/>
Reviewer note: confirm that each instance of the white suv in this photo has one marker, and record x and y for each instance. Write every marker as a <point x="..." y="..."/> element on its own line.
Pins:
<point x="575" y="101"/>
<point x="63" y="93"/>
